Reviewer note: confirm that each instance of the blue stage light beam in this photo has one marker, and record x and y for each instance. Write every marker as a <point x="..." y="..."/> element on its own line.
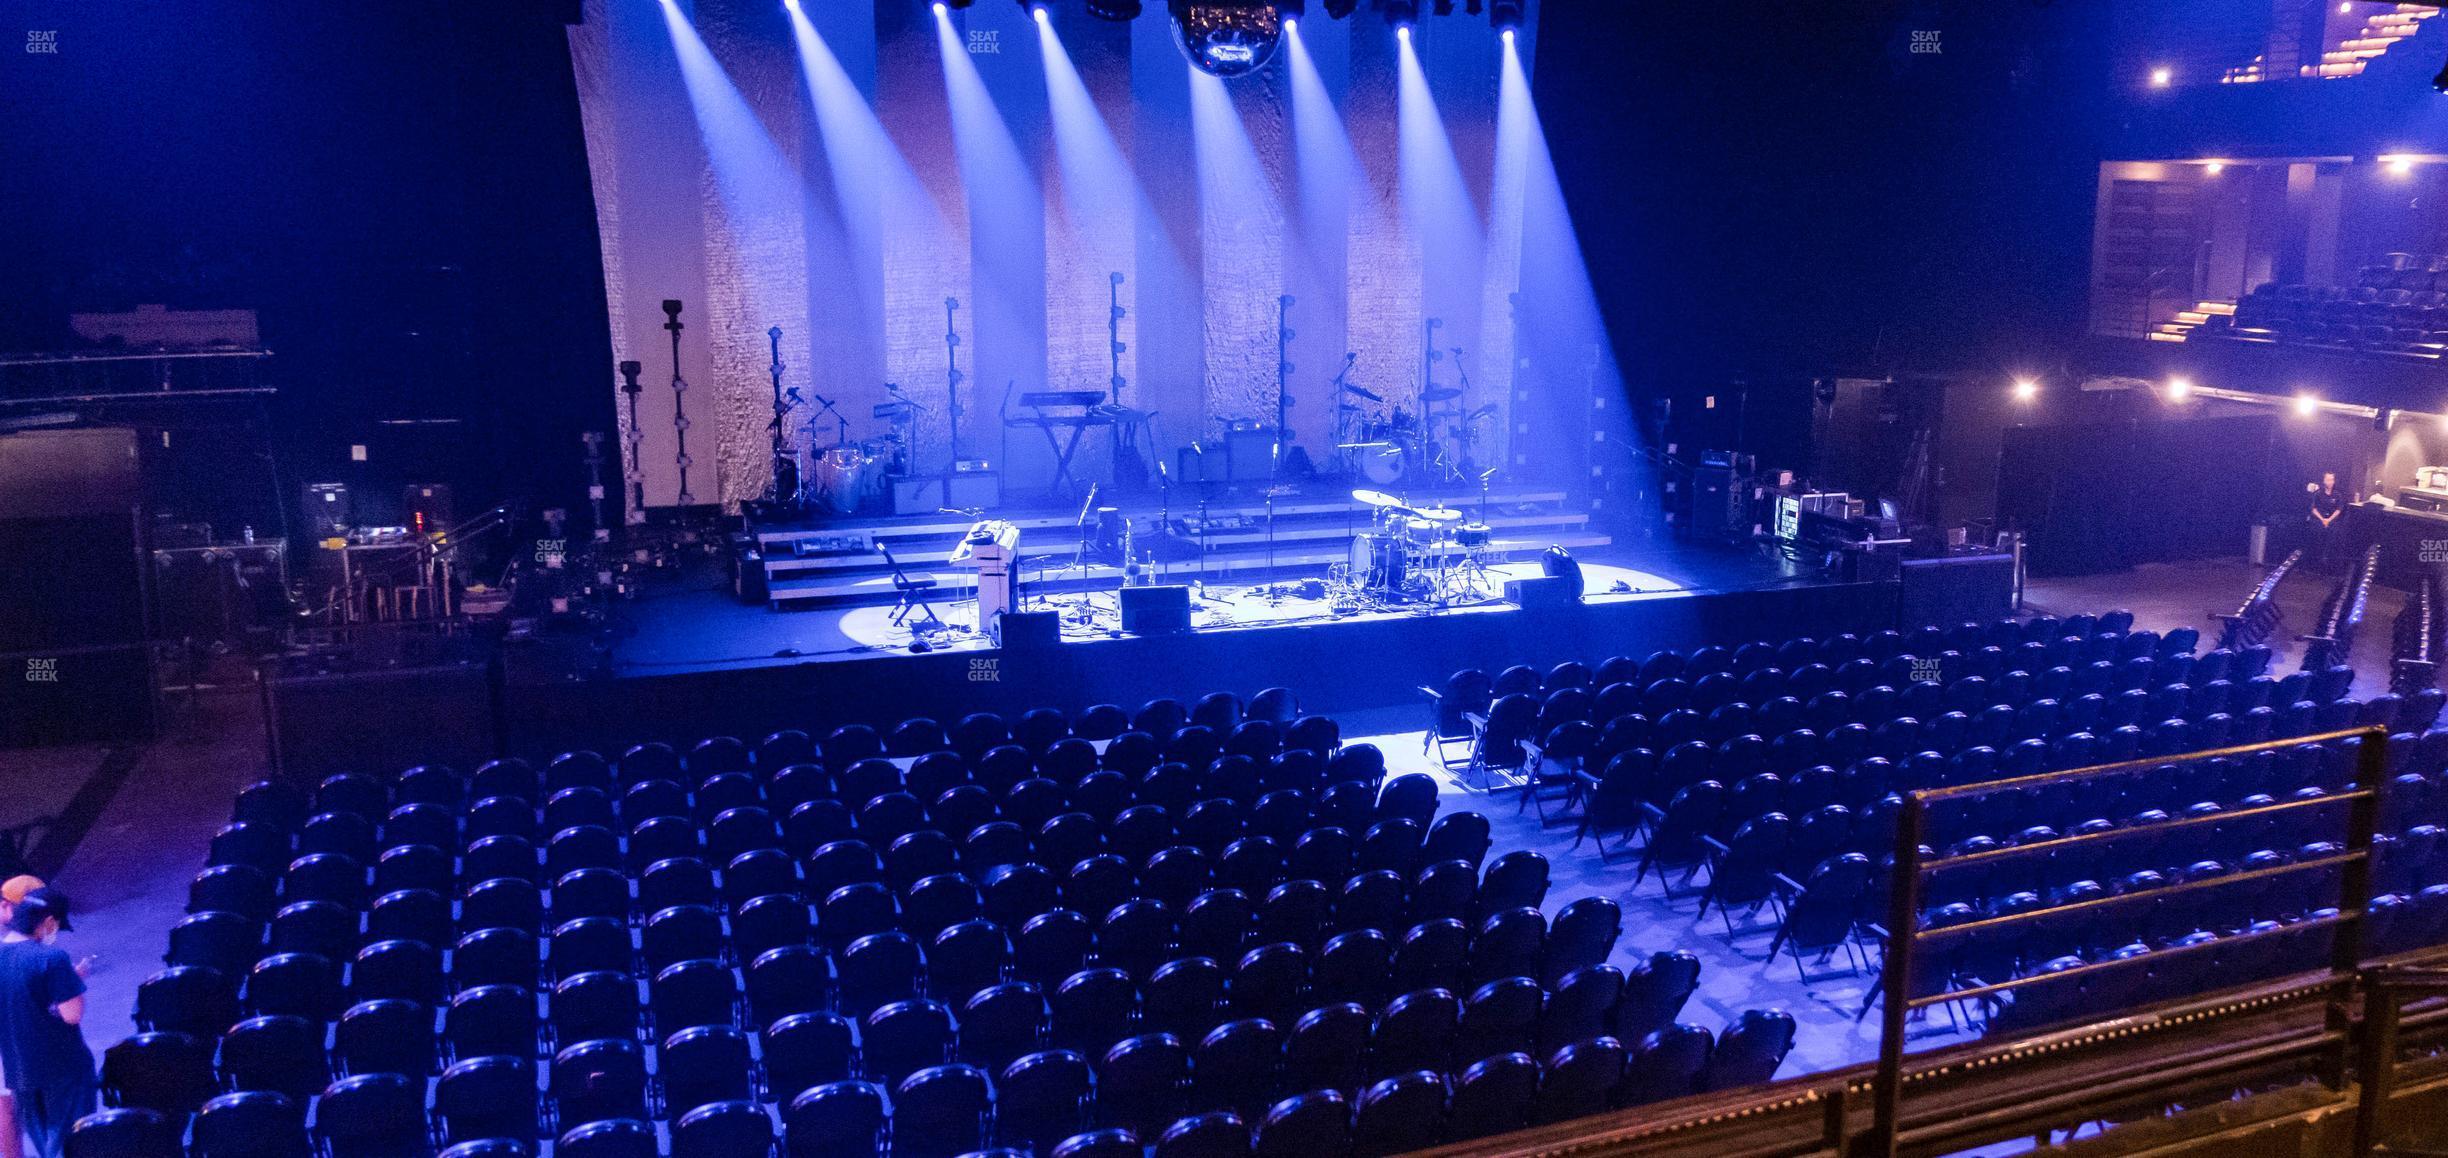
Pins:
<point x="1559" y="333"/>
<point x="1241" y="221"/>
<point x="1328" y="167"/>
<point x="1004" y="199"/>
<point x="749" y="168"/>
<point x="1436" y="201"/>
<point x="1099" y="185"/>
<point x="868" y="168"/>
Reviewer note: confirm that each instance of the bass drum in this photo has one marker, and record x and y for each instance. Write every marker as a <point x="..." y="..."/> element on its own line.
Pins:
<point x="1378" y="562"/>
<point x="1382" y="465"/>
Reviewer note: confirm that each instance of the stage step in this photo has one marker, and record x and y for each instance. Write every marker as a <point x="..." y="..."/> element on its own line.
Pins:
<point x="840" y="561"/>
<point x="1060" y="540"/>
<point x="956" y="583"/>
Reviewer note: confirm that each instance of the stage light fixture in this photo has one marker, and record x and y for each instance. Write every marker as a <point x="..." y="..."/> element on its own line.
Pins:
<point x="2439" y="80"/>
<point x="2399" y="166"/>
<point x="1402" y="13"/>
<point x="2162" y="76"/>
<point x="1341" y="9"/>
<point x="2306" y="405"/>
<point x="2025" y="390"/>
<point x="1506" y="15"/>
<point x="2214" y="168"/>
<point x="1123" y="11"/>
<point x="1443" y="7"/>
<point x="1290" y="10"/>
<point x="1227" y="38"/>
<point x="2179" y="388"/>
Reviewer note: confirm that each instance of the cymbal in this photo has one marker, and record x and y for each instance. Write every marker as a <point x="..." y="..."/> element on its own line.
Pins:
<point x="1363" y="392"/>
<point x="1440" y="514"/>
<point x="1440" y="394"/>
<point x="1376" y="498"/>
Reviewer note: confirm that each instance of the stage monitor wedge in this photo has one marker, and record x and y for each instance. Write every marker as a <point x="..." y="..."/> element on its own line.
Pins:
<point x="1160" y="610"/>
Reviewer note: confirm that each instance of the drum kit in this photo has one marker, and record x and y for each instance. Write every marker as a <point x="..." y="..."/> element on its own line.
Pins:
<point x="1431" y="446"/>
<point x="1418" y="554"/>
<point x="848" y="477"/>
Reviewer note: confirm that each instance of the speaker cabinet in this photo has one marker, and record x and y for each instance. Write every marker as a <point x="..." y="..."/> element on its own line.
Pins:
<point x="1546" y="594"/>
<point x="1028" y="630"/>
<point x="1160" y="610"/>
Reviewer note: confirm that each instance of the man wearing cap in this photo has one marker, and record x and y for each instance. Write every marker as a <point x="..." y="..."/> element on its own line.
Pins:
<point x="14" y="890"/>
<point x="42" y="1006"/>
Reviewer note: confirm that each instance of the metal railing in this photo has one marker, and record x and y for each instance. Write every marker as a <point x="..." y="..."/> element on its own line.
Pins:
<point x="1907" y="937"/>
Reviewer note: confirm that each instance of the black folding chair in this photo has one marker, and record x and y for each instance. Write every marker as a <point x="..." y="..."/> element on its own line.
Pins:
<point x="915" y="593"/>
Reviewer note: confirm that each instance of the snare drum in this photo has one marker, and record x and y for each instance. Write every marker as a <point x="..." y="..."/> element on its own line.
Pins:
<point x="1379" y="561"/>
<point x="1473" y="536"/>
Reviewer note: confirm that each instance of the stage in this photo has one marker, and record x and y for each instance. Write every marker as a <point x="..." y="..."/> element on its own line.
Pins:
<point x="695" y="660"/>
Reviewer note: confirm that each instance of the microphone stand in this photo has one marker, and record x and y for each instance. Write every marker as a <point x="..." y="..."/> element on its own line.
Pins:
<point x="841" y="421"/>
<point x="1164" y="516"/>
<point x="785" y="471"/>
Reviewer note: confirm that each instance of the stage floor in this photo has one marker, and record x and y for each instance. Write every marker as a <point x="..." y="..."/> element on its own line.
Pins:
<point x="695" y="623"/>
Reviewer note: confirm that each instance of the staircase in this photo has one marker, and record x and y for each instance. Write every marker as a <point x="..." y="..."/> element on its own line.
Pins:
<point x="2186" y="321"/>
<point x="838" y="564"/>
<point x="2382" y="27"/>
<point x="2381" y="30"/>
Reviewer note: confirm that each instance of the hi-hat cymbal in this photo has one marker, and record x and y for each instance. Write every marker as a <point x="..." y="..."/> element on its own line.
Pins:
<point x="1440" y="394"/>
<point x="1440" y="514"/>
<point x="1376" y="498"/>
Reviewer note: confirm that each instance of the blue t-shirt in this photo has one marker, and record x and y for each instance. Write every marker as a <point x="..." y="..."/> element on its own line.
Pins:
<point x="37" y="1049"/>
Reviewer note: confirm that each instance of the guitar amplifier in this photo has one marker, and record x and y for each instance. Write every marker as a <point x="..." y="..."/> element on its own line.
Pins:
<point x="1213" y="466"/>
<point x="925" y="494"/>
<point x="1251" y="454"/>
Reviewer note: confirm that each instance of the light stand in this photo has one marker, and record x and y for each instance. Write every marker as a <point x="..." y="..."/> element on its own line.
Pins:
<point x="680" y="422"/>
<point x="636" y="439"/>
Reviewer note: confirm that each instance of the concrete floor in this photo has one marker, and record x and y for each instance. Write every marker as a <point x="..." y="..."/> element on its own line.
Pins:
<point x="2166" y="595"/>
